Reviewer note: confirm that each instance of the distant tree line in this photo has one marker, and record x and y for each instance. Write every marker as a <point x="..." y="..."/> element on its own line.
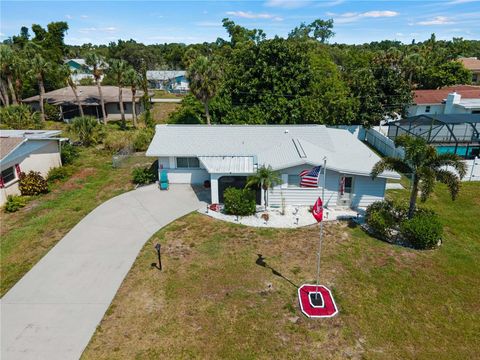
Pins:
<point x="249" y="78"/>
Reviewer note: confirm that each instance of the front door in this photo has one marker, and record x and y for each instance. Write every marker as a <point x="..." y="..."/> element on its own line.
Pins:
<point x="345" y="190"/>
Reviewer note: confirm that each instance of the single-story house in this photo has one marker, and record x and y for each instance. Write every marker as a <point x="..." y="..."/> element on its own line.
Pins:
<point x="90" y="100"/>
<point x="458" y="99"/>
<point x="80" y="70"/>
<point x="472" y="64"/>
<point x="170" y="80"/>
<point x="221" y="156"/>
<point x="26" y="150"/>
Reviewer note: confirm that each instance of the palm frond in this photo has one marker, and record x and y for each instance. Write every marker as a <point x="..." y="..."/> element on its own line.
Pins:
<point x="390" y="163"/>
<point x="427" y="182"/>
<point x="451" y="180"/>
<point x="452" y="160"/>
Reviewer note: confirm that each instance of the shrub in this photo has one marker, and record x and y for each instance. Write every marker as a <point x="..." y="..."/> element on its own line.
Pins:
<point x="423" y="231"/>
<point x="87" y="130"/>
<point x="116" y="141"/>
<point x="143" y="175"/>
<point x="14" y="203"/>
<point x="19" y="117"/>
<point x="239" y="201"/>
<point x="381" y="217"/>
<point x="68" y="153"/>
<point x="143" y="139"/>
<point x="88" y="81"/>
<point x="32" y="183"/>
<point x="52" y="112"/>
<point x="59" y="173"/>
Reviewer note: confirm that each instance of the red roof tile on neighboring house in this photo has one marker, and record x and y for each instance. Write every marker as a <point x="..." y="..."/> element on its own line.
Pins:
<point x="439" y="95"/>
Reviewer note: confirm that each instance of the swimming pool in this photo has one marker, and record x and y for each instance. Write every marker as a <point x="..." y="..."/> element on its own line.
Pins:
<point x="464" y="151"/>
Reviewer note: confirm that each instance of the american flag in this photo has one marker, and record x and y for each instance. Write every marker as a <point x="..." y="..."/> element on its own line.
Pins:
<point x="309" y="178"/>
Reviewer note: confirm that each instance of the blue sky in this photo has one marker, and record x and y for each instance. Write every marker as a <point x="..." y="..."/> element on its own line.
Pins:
<point x="152" y="22"/>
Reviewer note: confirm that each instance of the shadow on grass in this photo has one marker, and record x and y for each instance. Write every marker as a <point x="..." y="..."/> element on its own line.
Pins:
<point x="261" y="262"/>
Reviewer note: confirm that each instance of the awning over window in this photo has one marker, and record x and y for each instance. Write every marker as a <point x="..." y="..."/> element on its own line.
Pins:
<point x="229" y="164"/>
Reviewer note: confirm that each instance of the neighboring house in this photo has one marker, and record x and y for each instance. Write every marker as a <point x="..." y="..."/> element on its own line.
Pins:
<point x="169" y="80"/>
<point x="79" y="69"/>
<point x="25" y="150"/>
<point x="472" y="64"/>
<point x="90" y="100"/>
<point x="460" y="99"/>
<point x="225" y="155"/>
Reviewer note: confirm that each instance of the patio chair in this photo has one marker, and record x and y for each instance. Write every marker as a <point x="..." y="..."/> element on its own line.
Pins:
<point x="163" y="180"/>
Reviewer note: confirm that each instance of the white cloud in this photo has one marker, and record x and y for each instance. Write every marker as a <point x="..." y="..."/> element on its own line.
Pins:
<point x="354" y="16"/>
<point x="84" y="16"/>
<point x="68" y="17"/>
<point x="109" y="29"/>
<point x="251" y="15"/>
<point x="399" y="34"/>
<point x="437" y="20"/>
<point x="287" y="4"/>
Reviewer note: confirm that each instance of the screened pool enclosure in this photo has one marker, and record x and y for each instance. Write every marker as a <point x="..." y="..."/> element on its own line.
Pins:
<point x="452" y="133"/>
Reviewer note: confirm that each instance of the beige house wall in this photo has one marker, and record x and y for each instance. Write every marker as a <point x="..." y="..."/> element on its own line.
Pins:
<point x="41" y="160"/>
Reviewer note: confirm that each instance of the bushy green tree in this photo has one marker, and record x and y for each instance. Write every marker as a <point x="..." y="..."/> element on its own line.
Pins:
<point x="87" y="130"/>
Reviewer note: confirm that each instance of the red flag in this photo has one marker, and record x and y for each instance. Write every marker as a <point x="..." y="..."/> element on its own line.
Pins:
<point x="317" y="210"/>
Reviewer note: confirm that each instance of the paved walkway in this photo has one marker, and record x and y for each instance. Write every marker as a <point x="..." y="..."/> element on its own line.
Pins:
<point x="53" y="311"/>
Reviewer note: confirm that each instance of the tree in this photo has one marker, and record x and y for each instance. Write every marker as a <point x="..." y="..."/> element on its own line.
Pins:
<point x="426" y="166"/>
<point x="133" y="79"/>
<point x="98" y="64"/>
<point x="38" y="69"/>
<point x="87" y="130"/>
<point x="319" y="29"/>
<point x="118" y="70"/>
<point x="19" y="117"/>
<point x="265" y="178"/>
<point x="204" y="76"/>
<point x="8" y="61"/>
<point x="67" y="75"/>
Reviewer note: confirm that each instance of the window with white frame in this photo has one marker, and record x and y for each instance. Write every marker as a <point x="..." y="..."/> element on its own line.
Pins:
<point x="188" y="163"/>
<point x="8" y="175"/>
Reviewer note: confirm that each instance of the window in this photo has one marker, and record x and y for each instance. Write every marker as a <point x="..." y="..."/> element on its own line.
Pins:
<point x="427" y="108"/>
<point x="188" y="163"/>
<point x="8" y="175"/>
<point x="293" y="181"/>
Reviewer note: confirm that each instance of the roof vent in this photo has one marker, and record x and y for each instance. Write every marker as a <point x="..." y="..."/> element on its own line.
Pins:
<point x="286" y="131"/>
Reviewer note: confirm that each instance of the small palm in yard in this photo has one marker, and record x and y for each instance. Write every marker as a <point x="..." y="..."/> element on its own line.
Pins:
<point x="97" y="63"/>
<point x="426" y="166"/>
<point x="265" y="178"/>
<point x="118" y="70"/>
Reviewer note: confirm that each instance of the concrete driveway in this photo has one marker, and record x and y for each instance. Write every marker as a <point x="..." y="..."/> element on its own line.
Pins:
<point x="53" y="311"/>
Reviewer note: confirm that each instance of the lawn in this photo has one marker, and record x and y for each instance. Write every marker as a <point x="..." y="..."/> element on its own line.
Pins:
<point x="162" y="94"/>
<point x="212" y="300"/>
<point x="27" y="235"/>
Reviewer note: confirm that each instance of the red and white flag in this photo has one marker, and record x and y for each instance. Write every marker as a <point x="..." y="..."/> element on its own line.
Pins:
<point x="317" y="210"/>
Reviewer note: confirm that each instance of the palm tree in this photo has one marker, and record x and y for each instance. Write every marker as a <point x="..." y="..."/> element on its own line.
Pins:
<point x="133" y="78"/>
<point x="7" y="61"/>
<point x="97" y="64"/>
<point x="264" y="178"/>
<point x="426" y="166"/>
<point x="38" y="69"/>
<point x="204" y="77"/>
<point x="67" y="75"/>
<point x="118" y="70"/>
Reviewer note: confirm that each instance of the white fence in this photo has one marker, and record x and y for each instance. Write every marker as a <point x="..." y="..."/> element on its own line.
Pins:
<point x="473" y="170"/>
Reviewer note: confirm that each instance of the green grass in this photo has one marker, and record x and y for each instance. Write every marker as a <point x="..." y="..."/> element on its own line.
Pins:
<point x="162" y="94"/>
<point x="27" y="235"/>
<point x="213" y="301"/>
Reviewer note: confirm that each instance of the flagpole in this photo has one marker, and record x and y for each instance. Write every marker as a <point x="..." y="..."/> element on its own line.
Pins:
<point x="321" y="225"/>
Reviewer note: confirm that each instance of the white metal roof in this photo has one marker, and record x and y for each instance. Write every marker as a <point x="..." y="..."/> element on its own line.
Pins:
<point x="30" y="134"/>
<point x="470" y="103"/>
<point x="278" y="146"/>
<point x="164" y="74"/>
<point x="229" y="164"/>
